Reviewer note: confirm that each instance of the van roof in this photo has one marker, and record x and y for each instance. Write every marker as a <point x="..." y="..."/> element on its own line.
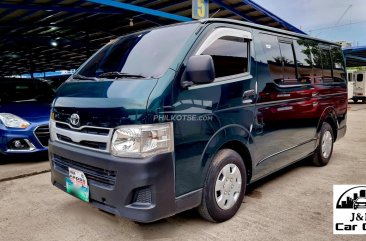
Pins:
<point x="259" y="26"/>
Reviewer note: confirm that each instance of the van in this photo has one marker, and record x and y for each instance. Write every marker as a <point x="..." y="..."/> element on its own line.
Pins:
<point x="359" y="86"/>
<point x="186" y="116"/>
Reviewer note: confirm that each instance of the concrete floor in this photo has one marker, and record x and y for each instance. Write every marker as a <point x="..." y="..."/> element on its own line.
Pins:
<point x="13" y="169"/>
<point x="295" y="204"/>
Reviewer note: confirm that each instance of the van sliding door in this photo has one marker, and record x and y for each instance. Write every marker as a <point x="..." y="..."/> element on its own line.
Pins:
<point x="285" y="107"/>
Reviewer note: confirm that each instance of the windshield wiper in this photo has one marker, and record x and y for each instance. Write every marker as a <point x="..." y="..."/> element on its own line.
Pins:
<point x="117" y="75"/>
<point x="82" y="77"/>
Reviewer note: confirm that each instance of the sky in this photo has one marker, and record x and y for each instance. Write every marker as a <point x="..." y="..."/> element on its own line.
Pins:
<point x="333" y="20"/>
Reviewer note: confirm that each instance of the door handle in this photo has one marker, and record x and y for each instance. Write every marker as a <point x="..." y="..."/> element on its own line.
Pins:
<point x="248" y="96"/>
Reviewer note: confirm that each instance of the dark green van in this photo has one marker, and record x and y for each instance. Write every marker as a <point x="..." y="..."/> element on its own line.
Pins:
<point x="186" y="116"/>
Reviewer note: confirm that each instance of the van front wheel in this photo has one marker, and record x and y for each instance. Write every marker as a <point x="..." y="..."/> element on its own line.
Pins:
<point x="324" y="151"/>
<point x="224" y="187"/>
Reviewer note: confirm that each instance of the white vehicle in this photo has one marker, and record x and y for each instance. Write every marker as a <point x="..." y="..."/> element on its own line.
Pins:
<point x="359" y="86"/>
<point x="350" y="83"/>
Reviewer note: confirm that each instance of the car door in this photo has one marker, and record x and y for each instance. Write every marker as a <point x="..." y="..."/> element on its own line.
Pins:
<point x="285" y="109"/>
<point x="215" y="106"/>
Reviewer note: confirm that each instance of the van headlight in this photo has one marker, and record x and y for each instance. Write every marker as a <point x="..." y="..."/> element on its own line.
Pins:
<point x="52" y="128"/>
<point x="13" y="121"/>
<point x="142" y="140"/>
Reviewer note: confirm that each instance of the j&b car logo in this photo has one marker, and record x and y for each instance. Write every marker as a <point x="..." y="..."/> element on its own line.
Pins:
<point x="349" y="209"/>
<point x="75" y="119"/>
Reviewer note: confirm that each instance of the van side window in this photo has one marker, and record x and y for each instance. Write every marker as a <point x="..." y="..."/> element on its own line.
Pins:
<point x="289" y="68"/>
<point x="280" y="60"/>
<point x="304" y="60"/>
<point x="339" y="73"/>
<point x="317" y="63"/>
<point x="359" y="77"/>
<point x="229" y="54"/>
<point x="327" y="66"/>
<point x="271" y="48"/>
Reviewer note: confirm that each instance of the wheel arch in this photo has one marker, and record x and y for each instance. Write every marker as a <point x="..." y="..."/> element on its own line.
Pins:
<point x="233" y="137"/>
<point x="329" y="115"/>
<point x="243" y="151"/>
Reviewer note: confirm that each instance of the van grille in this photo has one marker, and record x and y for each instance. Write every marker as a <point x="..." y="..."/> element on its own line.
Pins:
<point x="100" y="175"/>
<point x="89" y="137"/>
<point x="43" y="134"/>
<point x="91" y="144"/>
<point x="89" y="130"/>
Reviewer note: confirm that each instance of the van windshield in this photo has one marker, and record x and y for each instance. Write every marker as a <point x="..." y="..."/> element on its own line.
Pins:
<point x="145" y="54"/>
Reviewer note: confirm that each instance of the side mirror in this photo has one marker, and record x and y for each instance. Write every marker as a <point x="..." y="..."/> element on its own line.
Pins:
<point x="200" y="69"/>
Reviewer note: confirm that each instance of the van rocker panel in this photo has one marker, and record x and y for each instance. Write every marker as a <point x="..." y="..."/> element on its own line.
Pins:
<point x="155" y="174"/>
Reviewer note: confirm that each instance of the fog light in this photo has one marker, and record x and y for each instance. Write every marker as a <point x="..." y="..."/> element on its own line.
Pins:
<point x="18" y="144"/>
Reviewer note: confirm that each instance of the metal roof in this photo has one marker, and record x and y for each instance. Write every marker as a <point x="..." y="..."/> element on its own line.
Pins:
<point x="31" y="29"/>
<point x="355" y="56"/>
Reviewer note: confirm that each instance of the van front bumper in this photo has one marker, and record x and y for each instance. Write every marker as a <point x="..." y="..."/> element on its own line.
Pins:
<point x="138" y="189"/>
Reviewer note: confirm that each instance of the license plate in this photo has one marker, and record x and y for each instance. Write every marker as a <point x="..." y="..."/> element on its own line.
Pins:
<point x="77" y="184"/>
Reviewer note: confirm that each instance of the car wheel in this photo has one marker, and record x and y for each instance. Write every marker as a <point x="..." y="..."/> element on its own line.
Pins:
<point x="324" y="150"/>
<point x="224" y="187"/>
<point x="355" y="100"/>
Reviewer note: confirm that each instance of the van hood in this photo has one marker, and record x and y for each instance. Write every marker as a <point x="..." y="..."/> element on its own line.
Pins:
<point x="104" y="103"/>
<point x="32" y="111"/>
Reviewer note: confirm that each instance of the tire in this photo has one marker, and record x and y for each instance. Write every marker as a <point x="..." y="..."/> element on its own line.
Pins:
<point x="324" y="151"/>
<point x="221" y="202"/>
<point x="355" y="100"/>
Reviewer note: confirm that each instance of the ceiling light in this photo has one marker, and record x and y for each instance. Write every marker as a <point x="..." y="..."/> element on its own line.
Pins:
<point x="12" y="55"/>
<point x="53" y="43"/>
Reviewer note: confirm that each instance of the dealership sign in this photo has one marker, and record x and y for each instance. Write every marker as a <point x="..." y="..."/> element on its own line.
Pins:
<point x="349" y="209"/>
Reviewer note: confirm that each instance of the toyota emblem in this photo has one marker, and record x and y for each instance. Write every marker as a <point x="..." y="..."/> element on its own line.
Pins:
<point x="75" y="119"/>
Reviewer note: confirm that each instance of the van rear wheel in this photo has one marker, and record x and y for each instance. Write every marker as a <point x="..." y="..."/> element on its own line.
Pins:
<point x="324" y="150"/>
<point x="224" y="187"/>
